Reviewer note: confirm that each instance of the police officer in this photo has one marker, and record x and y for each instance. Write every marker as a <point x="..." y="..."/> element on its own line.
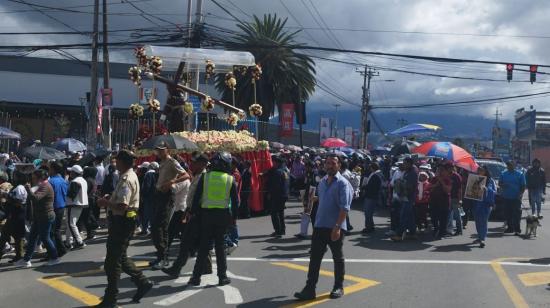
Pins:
<point x="122" y="206"/>
<point x="278" y="182"/>
<point x="217" y="201"/>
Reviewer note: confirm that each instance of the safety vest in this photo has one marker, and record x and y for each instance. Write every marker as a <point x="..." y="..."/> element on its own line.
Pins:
<point x="216" y="190"/>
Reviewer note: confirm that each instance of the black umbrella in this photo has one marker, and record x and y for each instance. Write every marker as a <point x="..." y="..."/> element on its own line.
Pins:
<point x="173" y="142"/>
<point x="403" y="147"/>
<point x="92" y="155"/>
<point x="40" y="152"/>
<point x="70" y="145"/>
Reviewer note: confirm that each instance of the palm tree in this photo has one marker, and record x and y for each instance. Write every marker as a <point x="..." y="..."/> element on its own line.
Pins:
<point x="287" y="76"/>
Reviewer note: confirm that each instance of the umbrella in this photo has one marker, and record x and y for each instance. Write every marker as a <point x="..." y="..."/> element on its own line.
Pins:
<point x="277" y="145"/>
<point x="446" y="150"/>
<point x="347" y="150"/>
<point x="403" y="147"/>
<point x="333" y="143"/>
<point x="40" y="152"/>
<point x="293" y="148"/>
<point x="415" y="129"/>
<point x="70" y="145"/>
<point x="92" y="155"/>
<point x="173" y="142"/>
<point x="6" y="133"/>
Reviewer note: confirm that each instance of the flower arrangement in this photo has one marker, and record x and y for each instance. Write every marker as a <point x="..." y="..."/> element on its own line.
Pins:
<point x="135" y="75"/>
<point x="256" y="72"/>
<point x="155" y="65"/>
<point x="263" y="145"/>
<point x="136" y="111"/>
<point x="241" y="69"/>
<point x="153" y="105"/>
<point x="188" y="108"/>
<point x="207" y="104"/>
<point x="255" y="110"/>
<point x="209" y="70"/>
<point x="233" y="119"/>
<point x="230" y="141"/>
<point x="242" y="115"/>
<point x="230" y="81"/>
<point x="141" y="57"/>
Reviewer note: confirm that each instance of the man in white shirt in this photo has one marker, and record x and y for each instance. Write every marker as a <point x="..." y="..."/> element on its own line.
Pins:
<point x="77" y="199"/>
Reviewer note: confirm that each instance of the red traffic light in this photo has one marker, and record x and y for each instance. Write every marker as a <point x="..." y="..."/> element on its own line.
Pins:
<point x="509" y="67"/>
<point x="533" y="68"/>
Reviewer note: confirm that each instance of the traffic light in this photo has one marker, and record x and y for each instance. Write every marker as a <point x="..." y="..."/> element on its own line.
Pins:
<point x="509" y="71"/>
<point x="533" y="73"/>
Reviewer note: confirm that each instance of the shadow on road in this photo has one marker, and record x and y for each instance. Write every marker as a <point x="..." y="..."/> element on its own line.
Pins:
<point x="270" y="302"/>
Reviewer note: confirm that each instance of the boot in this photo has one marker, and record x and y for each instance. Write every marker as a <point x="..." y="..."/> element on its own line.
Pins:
<point x="224" y="281"/>
<point x="142" y="289"/>
<point x="107" y="303"/>
<point x="308" y="293"/>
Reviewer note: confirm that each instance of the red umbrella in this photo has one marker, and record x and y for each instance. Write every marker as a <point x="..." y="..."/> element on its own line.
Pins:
<point x="334" y="143"/>
<point x="460" y="157"/>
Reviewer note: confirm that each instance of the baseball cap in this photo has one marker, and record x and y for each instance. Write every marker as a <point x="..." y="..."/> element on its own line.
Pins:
<point x="145" y="164"/>
<point x="154" y="165"/>
<point x="76" y="169"/>
<point x="161" y="145"/>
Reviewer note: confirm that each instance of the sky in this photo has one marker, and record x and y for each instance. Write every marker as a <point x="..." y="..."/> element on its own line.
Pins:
<point x="494" y="30"/>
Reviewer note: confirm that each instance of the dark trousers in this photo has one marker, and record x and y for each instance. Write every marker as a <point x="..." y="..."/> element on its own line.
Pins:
<point x="512" y="213"/>
<point x="214" y="223"/>
<point x="421" y="210"/>
<point x="161" y="220"/>
<point x="278" y="216"/>
<point x="56" y="232"/>
<point x="189" y="241"/>
<point x="88" y="220"/>
<point x="244" y="210"/>
<point x="319" y="241"/>
<point x="5" y="238"/>
<point x="146" y="213"/>
<point x="440" y="219"/>
<point x="176" y="227"/>
<point x="121" y="230"/>
<point x="395" y="213"/>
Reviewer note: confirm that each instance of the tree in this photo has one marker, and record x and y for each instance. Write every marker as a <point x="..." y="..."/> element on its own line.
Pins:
<point x="287" y="76"/>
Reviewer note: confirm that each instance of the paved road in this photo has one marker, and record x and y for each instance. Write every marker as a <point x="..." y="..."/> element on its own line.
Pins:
<point x="509" y="272"/>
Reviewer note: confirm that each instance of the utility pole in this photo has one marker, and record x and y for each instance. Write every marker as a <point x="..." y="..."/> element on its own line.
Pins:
<point x="497" y="115"/>
<point x="367" y="73"/>
<point x="336" y="120"/>
<point x="92" y="140"/>
<point x="106" y="73"/>
<point x="198" y="22"/>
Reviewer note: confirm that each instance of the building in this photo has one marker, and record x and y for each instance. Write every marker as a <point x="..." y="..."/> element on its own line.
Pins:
<point x="532" y="138"/>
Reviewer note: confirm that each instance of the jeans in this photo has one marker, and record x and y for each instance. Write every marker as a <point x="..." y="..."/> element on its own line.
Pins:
<point x="535" y="198"/>
<point x="232" y="235"/>
<point x="147" y="213"/>
<point x="369" y="206"/>
<point x="56" y="231"/>
<point x="406" y="218"/>
<point x="319" y="241"/>
<point x="41" y="229"/>
<point x="512" y="212"/>
<point x="72" y="232"/>
<point x="454" y="214"/>
<point x="481" y="215"/>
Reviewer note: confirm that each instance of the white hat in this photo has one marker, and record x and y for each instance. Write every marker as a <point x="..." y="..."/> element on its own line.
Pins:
<point x="154" y="165"/>
<point x="425" y="166"/>
<point x="76" y="169"/>
<point x="145" y="164"/>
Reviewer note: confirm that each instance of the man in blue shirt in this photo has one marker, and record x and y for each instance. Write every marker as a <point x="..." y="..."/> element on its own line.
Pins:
<point x="60" y="187"/>
<point x="512" y="185"/>
<point x="335" y="196"/>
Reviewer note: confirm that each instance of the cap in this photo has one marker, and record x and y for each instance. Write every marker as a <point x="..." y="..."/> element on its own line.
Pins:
<point x="161" y="145"/>
<point x="145" y="164"/>
<point x="199" y="157"/>
<point x="154" y="165"/>
<point x="76" y="169"/>
<point x="426" y="167"/>
<point x="125" y="155"/>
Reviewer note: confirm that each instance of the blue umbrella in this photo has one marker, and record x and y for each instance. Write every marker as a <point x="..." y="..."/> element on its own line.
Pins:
<point x="347" y="151"/>
<point x="6" y="133"/>
<point x="415" y="129"/>
<point x="70" y="145"/>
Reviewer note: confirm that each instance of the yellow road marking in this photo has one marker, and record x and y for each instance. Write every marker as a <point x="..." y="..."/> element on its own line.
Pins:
<point x="58" y="283"/>
<point x="360" y="284"/>
<point x="535" y="279"/>
<point x="513" y="293"/>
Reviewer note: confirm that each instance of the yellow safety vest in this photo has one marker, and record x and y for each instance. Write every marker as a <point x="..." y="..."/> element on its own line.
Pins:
<point x="216" y="191"/>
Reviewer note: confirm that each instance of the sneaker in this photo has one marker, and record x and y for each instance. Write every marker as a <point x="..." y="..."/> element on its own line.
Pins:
<point x="142" y="289"/>
<point x="171" y="271"/>
<point x="79" y="246"/>
<point x="478" y="241"/>
<point x="306" y="294"/>
<point x="53" y="262"/>
<point x="194" y="281"/>
<point x="336" y="293"/>
<point x="390" y="233"/>
<point x="481" y="244"/>
<point x="91" y="237"/>
<point x="224" y="281"/>
<point x="138" y="230"/>
<point x="230" y="249"/>
<point x="300" y="236"/>
<point x="154" y="262"/>
<point x="23" y="263"/>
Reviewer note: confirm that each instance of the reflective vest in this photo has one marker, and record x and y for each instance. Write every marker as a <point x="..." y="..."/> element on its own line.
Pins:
<point x="216" y="191"/>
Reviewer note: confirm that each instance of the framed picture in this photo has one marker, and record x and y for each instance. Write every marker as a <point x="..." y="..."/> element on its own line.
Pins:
<point x="474" y="187"/>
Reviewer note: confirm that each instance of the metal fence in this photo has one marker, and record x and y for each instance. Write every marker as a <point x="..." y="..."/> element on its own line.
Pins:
<point x="5" y="121"/>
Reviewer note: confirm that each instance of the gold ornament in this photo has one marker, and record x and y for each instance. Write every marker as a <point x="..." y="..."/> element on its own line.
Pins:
<point x="141" y="57"/>
<point x="232" y="119"/>
<point x="136" y="111"/>
<point x="188" y="108"/>
<point x="155" y="65"/>
<point x="230" y="81"/>
<point x="209" y="70"/>
<point x="242" y="115"/>
<point x="255" y="110"/>
<point x="153" y="105"/>
<point x="256" y="72"/>
<point x="135" y="75"/>
<point x="207" y="104"/>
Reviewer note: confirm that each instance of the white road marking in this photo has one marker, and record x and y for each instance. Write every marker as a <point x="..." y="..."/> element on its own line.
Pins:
<point x="388" y="261"/>
<point x="231" y="294"/>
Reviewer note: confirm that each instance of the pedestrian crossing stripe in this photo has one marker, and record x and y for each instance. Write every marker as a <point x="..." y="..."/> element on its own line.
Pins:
<point x="360" y="284"/>
<point x="535" y="279"/>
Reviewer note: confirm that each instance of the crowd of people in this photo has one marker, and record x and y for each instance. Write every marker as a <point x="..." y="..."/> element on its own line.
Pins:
<point x="199" y="201"/>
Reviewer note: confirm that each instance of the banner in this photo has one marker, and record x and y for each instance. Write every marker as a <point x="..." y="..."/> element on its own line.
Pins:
<point x="348" y="135"/>
<point x="99" y="129"/>
<point x="107" y="97"/>
<point x="324" y="129"/>
<point x="287" y="119"/>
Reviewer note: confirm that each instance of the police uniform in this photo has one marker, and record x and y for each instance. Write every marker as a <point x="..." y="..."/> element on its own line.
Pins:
<point x="122" y="223"/>
<point x="217" y="201"/>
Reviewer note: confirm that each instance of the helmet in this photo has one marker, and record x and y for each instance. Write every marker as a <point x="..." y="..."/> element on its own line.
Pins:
<point x="221" y="161"/>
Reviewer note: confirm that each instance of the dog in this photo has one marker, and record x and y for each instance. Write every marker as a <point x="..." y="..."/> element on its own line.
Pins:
<point x="533" y="222"/>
